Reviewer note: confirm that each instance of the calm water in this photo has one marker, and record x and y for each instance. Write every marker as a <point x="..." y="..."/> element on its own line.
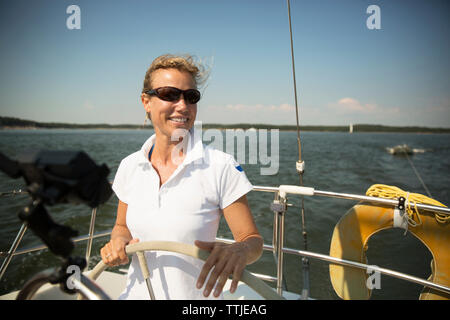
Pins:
<point x="338" y="162"/>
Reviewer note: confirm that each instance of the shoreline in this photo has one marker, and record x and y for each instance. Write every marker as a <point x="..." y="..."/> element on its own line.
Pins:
<point x="9" y="123"/>
<point x="232" y="127"/>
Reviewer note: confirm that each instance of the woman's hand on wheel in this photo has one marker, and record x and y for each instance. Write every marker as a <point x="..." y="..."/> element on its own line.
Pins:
<point x="224" y="260"/>
<point x="114" y="254"/>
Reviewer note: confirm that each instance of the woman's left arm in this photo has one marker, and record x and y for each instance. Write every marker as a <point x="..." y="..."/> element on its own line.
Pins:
<point x="231" y="259"/>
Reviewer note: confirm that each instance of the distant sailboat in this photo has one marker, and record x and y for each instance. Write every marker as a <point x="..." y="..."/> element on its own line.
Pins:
<point x="350" y="130"/>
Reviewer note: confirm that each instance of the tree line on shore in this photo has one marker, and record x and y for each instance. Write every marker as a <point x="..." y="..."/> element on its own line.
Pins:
<point x="9" y="122"/>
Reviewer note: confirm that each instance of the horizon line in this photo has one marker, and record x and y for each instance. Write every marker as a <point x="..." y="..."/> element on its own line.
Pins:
<point x="224" y="124"/>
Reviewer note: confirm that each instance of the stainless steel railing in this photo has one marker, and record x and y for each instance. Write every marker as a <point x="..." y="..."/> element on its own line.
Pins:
<point x="279" y="207"/>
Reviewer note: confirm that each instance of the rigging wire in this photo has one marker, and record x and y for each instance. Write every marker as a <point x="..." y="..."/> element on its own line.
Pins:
<point x="295" y="84"/>
<point x="299" y="166"/>
<point x="418" y="175"/>
<point x="422" y="199"/>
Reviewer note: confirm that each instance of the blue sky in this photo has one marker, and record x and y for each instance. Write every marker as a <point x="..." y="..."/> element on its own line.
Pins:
<point x="346" y="73"/>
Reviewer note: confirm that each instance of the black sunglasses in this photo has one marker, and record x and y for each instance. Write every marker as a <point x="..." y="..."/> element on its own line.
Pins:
<point x="191" y="96"/>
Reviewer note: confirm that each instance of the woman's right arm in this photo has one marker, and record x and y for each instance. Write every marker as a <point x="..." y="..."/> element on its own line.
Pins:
<point x="113" y="253"/>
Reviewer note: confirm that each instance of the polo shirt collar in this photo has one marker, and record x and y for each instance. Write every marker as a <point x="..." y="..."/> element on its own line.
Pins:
<point x="194" y="147"/>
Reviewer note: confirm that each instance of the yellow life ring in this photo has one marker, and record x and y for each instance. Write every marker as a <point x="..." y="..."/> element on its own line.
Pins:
<point x="350" y="238"/>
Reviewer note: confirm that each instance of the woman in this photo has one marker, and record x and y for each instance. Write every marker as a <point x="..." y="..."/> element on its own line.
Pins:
<point x="176" y="189"/>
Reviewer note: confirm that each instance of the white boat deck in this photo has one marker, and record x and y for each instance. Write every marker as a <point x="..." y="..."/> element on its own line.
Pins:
<point x="113" y="284"/>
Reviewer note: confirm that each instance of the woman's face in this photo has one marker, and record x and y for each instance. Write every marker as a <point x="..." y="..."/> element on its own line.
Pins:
<point x="167" y="116"/>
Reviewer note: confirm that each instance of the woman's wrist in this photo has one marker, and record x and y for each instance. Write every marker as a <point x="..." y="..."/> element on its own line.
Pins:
<point x="252" y="247"/>
<point x="121" y="233"/>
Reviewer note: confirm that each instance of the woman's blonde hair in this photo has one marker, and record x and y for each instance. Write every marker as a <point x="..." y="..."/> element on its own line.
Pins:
<point x="186" y="63"/>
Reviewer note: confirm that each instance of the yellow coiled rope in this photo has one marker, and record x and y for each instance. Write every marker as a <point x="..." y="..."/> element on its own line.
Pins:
<point x="392" y="192"/>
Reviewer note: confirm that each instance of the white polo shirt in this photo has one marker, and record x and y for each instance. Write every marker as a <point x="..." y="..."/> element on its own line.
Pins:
<point x="186" y="208"/>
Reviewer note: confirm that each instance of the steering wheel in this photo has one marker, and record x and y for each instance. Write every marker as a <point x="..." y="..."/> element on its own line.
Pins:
<point x="139" y="248"/>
